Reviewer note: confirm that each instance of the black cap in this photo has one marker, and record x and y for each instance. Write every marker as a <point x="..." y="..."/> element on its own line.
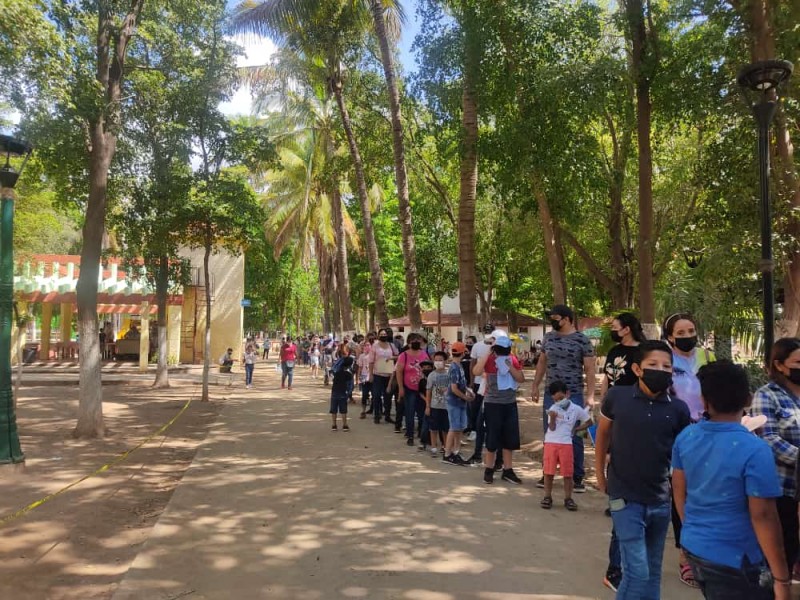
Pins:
<point x="488" y="328"/>
<point x="561" y="310"/>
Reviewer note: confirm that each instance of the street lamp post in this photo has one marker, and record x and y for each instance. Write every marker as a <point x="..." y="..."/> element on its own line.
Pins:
<point x="760" y="82"/>
<point x="16" y="154"/>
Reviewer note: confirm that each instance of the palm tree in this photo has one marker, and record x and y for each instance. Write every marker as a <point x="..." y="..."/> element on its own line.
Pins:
<point x="318" y="34"/>
<point x="391" y="11"/>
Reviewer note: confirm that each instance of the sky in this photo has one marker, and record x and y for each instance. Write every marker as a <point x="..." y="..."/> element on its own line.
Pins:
<point x="257" y="51"/>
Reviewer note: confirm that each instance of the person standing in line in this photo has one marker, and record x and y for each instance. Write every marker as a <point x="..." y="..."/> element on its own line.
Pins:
<point x="779" y="401"/>
<point x="567" y="355"/>
<point x="643" y="421"/>
<point x="725" y="484"/>
<point x="680" y="330"/>
<point x="316" y="354"/>
<point x="436" y="403"/>
<point x="249" y="361"/>
<point x="381" y="368"/>
<point x="475" y="414"/>
<point x="342" y="384"/>
<point x="458" y="396"/>
<point x="288" y="361"/>
<point x="363" y="381"/>
<point x="627" y="334"/>
<point x="503" y="374"/>
<point x="408" y="374"/>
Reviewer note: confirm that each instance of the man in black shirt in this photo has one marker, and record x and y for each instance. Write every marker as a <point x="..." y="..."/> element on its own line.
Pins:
<point x="342" y="385"/>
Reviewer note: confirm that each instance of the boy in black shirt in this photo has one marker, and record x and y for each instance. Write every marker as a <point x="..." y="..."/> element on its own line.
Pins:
<point x="342" y="384"/>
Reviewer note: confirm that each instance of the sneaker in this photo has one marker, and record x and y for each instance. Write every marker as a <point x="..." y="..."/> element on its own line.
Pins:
<point x="472" y="435"/>
<point x="579" y="488"/>
<point x="457" y="460"/>
<point x="498" y="466"/>
<point x="334" y="428"/>
<point x="511" y="477"/>
<point x="612" y="579"/>
<point x="389" y="420"/>
<point x="540" y="483"/>
<point x="410" y="442"/>
<point x="488" y="476"/>
<point x="448" y="459"/>
<point x="422" y="448"/>
<point x="434" y="452"/>
<point x="345" y="427"/>
<point x="396" y="430"/>
<point x="475" y="461"/>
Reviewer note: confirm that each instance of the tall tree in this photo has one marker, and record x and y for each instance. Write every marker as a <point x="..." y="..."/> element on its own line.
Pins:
<point x="322" y="33"/>
<point x="379" y="15"/>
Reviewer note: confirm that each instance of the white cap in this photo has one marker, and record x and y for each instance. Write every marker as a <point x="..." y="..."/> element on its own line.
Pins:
<point x="499" y="333"/>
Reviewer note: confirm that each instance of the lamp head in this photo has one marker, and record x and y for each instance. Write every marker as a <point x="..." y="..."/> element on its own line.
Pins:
<point x="764" y="75"/>
<point x="16" y="154"/>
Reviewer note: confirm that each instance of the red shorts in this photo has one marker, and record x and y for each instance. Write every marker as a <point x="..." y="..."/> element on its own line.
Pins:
<point x="561" y="455"/>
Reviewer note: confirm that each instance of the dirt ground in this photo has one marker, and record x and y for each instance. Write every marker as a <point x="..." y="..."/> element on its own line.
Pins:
<point x="80" y="544"/>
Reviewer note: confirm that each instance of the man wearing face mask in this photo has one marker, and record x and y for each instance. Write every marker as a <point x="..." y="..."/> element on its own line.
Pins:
<point x="643" y="420"/>
<point x="566" y="356"/>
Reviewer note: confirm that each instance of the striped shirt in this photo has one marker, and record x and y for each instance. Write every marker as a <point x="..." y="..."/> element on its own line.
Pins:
<point x="781" y="431"/>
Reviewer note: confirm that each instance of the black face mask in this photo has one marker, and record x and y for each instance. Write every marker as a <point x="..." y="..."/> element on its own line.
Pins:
<point x="615" y="337"/>
<point x="556" y="325"/>
<point x="794" y="376"/>
<point x="686" y="344"/>
<point x="656" y="381"/>
<point x="383" y="338"/>
<point x="415" y="345"/>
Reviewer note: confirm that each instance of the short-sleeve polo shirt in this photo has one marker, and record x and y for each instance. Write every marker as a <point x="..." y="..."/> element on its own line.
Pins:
<point x="643" y="433"/>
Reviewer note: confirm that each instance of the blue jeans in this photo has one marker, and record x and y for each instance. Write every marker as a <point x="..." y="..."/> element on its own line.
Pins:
<point x="248" y="374"/>
<point x="287" y="373"/>
<point x="577" y="441"/>
<point x="614" y="558"/>
<point x="642" y="533"/>
<point x="413" y="408"/>
<point x="380" y="407"/>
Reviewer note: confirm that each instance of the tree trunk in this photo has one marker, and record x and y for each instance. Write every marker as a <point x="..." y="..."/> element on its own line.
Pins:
<point x="401" y="176"/>
<point x="376" y="274"/>
<point x="162" y="287"/>
<point x="646" y="242"/>
<point x="467" y="284"/>
<point x="552" y="244"/>
<point x="209" y="245"/>
<point x="112" y="44"/>
<point x="342" y="271"/>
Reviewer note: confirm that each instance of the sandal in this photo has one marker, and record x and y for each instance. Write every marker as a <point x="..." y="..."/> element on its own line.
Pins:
<point x="570" y="505"/>
<point x="687" y="576"/>
<point x="546" y="503"/>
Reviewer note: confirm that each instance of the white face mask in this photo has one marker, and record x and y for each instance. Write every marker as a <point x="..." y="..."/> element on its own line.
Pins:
<point x="439" y="364"/>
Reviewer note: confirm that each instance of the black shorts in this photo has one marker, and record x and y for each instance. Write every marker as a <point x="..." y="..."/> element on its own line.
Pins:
<point x="339" y="402"/>
<point x="438" y="420"/>
<point x="502" y="426"/>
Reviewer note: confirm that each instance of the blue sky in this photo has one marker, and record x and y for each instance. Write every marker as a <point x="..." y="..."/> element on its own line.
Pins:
<point x="258" y="51"/>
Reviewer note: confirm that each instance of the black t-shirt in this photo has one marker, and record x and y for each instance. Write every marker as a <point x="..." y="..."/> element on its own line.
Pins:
<point x="465" y="365"/>
<point x="618" y="366"/>
<point x="344" y="375"/>
<point x="643" y="433"/>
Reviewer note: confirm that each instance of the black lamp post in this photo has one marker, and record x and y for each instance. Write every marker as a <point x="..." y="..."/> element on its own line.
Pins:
<point x="16" y="154"/>
<point x="693" y="256"/>
<point x="760" y="82"/>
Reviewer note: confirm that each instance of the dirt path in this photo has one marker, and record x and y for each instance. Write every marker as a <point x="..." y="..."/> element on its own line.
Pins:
<point x="277" y="506"/>
<point x="79" y="545"/>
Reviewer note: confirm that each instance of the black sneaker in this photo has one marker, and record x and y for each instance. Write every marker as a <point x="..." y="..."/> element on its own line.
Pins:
<point x="612" y="579"/>
<point x="389" y="420"/>
<point x="448" y="460"/>
<point x="475" y="461"/>
<point x="511" y="477"/>
<point x="488" y="476"/>
<point x="457" y="460"/>
<point x="396" y="430"/>
<point x="579" y="488"/>
<point x="422" y="448"/>
<point x="498" y="466"/>
<point x="410" y="442"/>
<point x="540" y="483"/>
<point x="345" y="427"/>
<point x="334" y="428"/>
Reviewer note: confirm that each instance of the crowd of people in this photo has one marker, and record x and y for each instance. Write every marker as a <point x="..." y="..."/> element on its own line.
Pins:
<point x="679" y="437"/>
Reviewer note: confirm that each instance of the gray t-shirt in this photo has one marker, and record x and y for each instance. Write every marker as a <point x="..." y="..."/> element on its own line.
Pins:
<point x="565" y="354"/>
<point x="437" y="385"/>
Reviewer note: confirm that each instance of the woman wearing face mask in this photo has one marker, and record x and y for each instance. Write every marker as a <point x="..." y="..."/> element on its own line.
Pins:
<point x="408" y="374"/>
<point x="779" y="401"/>
<point x="382" y="356"/>
<point x="627" y="334"/>
<point x="680" y="330"/>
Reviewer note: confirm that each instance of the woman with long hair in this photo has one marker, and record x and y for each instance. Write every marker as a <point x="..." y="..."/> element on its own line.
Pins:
<point x="779" y="401"/>
<point x="288" y="360"/>
<point x="382" y="356"/>
<point x="627" y="334"/>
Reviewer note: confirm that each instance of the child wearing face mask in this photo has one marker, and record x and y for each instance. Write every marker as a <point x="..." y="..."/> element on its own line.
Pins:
<point x="643" y="420"/>
<point x="565" y="419"/>
<point x="436" y="403"/>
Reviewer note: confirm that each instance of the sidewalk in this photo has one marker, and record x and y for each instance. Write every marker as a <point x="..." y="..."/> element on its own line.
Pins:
<point x="277" y="506"/>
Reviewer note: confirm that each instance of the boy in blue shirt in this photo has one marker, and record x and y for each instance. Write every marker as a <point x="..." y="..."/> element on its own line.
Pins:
<point x="725" y="484"/>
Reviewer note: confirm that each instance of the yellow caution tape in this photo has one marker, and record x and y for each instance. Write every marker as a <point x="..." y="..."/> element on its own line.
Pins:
<point x="23" y="511"/>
